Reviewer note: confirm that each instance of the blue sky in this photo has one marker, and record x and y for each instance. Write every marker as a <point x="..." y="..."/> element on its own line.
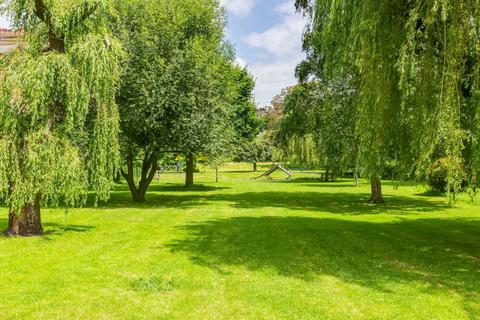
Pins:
<point x="267" y="35"/>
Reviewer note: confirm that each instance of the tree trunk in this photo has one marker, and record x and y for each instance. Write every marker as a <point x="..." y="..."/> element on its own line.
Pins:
<point x="327" y="174"/>
<point x="117" y="177"/>
<point x="149" y="169"/>
<point x="28" y="223"/>
<point x="255" y="169"/>
<point x="376" y="196"/>
<point x="57" y="40"/>
<point x="190" y="171"/>
<point x="138" y="195"/>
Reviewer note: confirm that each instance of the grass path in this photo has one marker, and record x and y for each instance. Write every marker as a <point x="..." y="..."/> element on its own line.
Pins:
<point x="242" y="249"/>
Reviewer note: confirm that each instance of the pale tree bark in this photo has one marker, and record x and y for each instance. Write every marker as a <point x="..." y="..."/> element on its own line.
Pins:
<point x="376" y="196"/>
<point x="27" y="222"/>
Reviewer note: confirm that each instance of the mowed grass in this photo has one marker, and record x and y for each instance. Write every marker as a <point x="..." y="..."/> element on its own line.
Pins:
<point x="242" y="249"/>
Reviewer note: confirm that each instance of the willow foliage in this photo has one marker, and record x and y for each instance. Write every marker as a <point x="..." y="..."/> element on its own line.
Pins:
<point x="439" y="68"/>
<point x="415" y="66"/>
<point x="324" y="114"/>
<point x="58" y="118"/>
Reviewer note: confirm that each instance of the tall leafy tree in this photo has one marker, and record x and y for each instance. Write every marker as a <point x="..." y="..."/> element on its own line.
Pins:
<point x="258" y="150"/>
<point x="58" y="117"/>
<point x="198" y="98"/>
<point x="247" y="123"/>
<point x="180" y="90"/>
<point x="296" y="131"/>
<point x="359" y="41"/>
<point x="151" y="38"/>
<point x="440" y="81"/>
<point x="415" y="66"/>
<point x="321" y="115"/>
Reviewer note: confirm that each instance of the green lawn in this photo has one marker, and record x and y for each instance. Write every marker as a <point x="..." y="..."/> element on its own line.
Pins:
<point x="244" y="249"/>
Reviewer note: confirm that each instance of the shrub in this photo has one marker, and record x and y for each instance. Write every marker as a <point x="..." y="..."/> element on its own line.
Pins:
<point x="437" y="175"/>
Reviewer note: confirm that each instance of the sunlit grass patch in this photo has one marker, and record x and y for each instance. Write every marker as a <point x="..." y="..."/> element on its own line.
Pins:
<point x="244" y="249"/>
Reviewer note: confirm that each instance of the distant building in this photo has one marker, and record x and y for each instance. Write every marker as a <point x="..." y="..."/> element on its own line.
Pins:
<point x="8" y="40"/>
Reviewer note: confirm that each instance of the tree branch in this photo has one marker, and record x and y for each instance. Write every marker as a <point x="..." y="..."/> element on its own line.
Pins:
<point x="87" y="12"/>
<point x="124" y="174"/>
<point x="151" y="175"/>
<point x="57" y="41"/>
<point x="42" y="14"/>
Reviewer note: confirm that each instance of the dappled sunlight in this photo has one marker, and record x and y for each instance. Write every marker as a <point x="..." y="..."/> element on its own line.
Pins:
<point x="374" y="255"/>
<point x="279" y="239"/>
<point x="336" y="198"/>
<point x="240" y="159"/>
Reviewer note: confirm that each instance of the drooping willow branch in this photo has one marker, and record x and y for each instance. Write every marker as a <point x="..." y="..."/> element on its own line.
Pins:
<point x="57" y="38"/>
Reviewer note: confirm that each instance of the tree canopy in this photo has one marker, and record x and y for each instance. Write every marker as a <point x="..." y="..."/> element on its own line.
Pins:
<point x="413" y="65"/>
<point x="318" y="126"/>
<point x="181" y="91"/>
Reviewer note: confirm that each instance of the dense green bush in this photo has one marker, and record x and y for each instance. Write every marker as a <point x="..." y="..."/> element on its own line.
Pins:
<point x="437" y="175"/>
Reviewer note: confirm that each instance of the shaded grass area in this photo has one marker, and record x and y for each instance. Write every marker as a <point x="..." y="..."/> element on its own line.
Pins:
<point x="335" y="201"/>
<point x="244" y="249"/>
<point x="365" y="253"/>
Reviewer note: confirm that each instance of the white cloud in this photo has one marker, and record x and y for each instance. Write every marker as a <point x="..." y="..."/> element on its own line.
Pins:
<point x="4" y="22"/>
<point x="282" y="46"/>
<point x="241" y="62"/>
<point x="272" y="77"/>
<point x="241" y="8"/>
<point x="282" y="39"/>
<point x="285" y="7"/>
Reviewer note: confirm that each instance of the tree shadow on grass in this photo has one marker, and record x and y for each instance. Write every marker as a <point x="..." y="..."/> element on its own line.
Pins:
<point x="121" y="197"/>
<point x="437" y="255"/>
<point x="172" y="187"/>
<point x="51" y="228"/>
<point x="336" y="203"/>
<point x="343" y="182"/>
<point x="431" y="193"/>
<point x="328" y="202"/>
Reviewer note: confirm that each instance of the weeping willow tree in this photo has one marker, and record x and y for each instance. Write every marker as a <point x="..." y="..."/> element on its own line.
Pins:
<point x="356" y="42"/>
<point x="414" y="65"/>
<point x="440" y="72"/>
<point x="299" y="151"/>
<point x="58" y="119"/>
<point x="317" y="127"/>
<point x="294" y="137"/>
